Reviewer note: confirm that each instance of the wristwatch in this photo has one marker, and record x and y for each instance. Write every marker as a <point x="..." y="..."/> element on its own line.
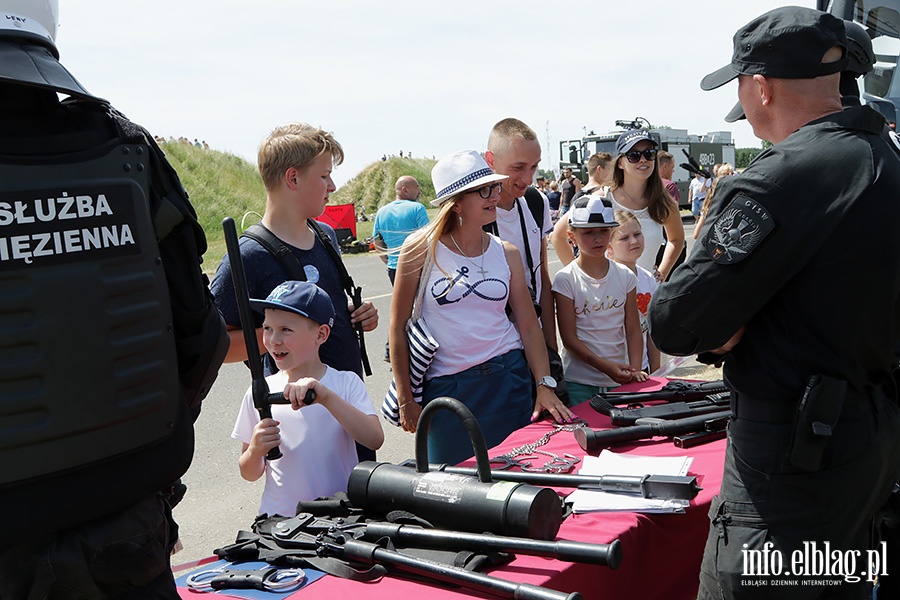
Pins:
<point x="547" y="381"/>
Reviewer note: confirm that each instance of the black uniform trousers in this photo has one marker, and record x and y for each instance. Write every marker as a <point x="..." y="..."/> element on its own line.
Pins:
<point x="123" y="556"/>
<point x="764" y="499"/>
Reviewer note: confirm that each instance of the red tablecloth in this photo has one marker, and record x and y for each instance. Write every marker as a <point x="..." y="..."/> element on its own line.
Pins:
<point x="661" y="552"/>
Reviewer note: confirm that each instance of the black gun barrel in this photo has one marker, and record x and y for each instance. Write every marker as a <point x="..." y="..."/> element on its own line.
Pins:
<point x="682" y="487"/>
<point x="592" y="441"/>
<point x="609" y="555"/>
<point x="369" y="553"/>
<point x="671" y="410"/>
<point x="258" y="387"/>
<point x="674" y="391"/>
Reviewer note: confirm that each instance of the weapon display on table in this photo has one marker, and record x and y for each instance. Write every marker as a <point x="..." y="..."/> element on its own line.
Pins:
<point x="674" y="391"/>
<point x="664" y="487"/>
<point x="306" y="525"/>
<point x="374" y="554"/>
<point x="456" y="501"/>
<point x="592" y="441"/>
<point x="335" y="545"/>
<point x="672" y="410"/>
<point x="262" y="400"/>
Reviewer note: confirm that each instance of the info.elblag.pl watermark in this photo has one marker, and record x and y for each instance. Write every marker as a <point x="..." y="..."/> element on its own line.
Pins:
<point x="814" y="564"/>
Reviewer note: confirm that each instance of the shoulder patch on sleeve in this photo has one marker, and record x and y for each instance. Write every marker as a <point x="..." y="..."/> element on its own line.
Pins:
<point x="738" y="230"/>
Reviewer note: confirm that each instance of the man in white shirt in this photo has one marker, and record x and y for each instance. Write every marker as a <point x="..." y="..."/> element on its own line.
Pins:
<point x="514" y="150"/>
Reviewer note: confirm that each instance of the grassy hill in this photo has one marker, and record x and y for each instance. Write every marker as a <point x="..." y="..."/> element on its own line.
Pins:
<point x="374" y="186"/>
<point x="223" y="185"/>
<point x="220" y="185"/>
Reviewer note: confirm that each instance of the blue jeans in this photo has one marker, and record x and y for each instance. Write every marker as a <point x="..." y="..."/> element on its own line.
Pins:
<point x="498" y="392"/>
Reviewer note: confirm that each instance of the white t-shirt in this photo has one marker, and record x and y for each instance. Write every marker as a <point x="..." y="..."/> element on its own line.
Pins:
<point x="699" y="187"/>
<point x="646" y="287"/>
<point x="465" y="310"/>
<point x="509" y="228"/>
<point x="599" y="318"/>
<point x="318" y="453"/>
<point x="653" y="234"/>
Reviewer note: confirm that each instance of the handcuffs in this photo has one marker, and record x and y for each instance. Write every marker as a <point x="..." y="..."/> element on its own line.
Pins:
<point x="267" y="579"/>
<point x="557" y="464"/>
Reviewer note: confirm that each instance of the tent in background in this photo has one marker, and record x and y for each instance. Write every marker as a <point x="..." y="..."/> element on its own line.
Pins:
<point x="342" y="218"/>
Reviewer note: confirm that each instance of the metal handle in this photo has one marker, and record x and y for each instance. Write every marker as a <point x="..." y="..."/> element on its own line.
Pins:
<point x="472" y="428"/>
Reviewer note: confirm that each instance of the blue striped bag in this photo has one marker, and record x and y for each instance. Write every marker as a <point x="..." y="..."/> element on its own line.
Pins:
<point x="422" y="348"/>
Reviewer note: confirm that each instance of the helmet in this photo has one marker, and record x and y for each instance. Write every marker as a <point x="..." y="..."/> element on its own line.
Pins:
<point x="33" y="20"/>
<point x="28" y="53"/>
<point x="859" y="49"/>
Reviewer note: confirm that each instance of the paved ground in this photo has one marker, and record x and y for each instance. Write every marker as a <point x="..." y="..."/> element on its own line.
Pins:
<point x="219" y="502"/>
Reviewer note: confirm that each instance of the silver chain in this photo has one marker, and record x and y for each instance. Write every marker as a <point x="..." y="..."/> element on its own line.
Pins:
<point x="556" y="464"/>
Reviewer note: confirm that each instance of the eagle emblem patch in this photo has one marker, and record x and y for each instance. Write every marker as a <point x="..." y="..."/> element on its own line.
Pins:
<point x="739" y="229"/>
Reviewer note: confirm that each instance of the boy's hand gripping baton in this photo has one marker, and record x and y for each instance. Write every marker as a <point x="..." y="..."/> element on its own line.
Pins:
<point x="262" y="399"/>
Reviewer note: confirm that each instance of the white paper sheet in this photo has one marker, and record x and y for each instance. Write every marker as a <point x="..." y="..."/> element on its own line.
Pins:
<point x="610" y="463"/>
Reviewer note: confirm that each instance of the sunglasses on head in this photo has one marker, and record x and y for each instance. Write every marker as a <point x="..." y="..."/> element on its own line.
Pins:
<point x="635" y="155"/>
<point x="488" y="190"/>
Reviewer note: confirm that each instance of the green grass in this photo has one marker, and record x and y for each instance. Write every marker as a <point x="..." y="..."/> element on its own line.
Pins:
<point x="224" y="185"/>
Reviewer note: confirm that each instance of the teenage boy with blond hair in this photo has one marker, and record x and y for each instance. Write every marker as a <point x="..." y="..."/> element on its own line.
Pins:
<point x="295" y="162"/>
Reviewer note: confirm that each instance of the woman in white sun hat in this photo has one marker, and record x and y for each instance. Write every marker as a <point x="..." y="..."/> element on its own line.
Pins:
<point x="483" y="360"/>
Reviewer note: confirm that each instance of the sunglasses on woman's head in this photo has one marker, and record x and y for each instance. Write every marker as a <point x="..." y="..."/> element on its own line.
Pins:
<point x="635" y="155"/>
<point x="488" y="190"/>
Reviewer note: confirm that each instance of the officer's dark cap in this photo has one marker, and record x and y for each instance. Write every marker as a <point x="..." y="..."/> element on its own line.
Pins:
<point x="785" y="43"/>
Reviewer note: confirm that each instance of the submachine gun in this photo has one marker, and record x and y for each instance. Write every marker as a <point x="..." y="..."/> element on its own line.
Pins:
<point x="696" y="413"/>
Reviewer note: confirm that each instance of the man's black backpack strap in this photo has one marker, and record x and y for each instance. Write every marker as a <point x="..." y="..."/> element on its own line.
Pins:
<point x="535" y="201"/>
<point x="268" y="240"/>
<point x="281" y="251"/>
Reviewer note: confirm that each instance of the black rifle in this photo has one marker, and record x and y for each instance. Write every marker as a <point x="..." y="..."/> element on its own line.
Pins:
<point x="592" y="441"/>
<point x="262" y="400"/>
<point x="674" y="391"/>
<point x="672" y="410"/>
<point x="649" y="486"/>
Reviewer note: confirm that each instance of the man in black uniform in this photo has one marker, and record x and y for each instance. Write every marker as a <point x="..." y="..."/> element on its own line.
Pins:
<point x="796" y="288"/>
<point x="108" y="335"/>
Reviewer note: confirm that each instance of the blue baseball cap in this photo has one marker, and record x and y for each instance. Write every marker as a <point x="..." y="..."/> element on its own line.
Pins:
<point x="301" y="297"/>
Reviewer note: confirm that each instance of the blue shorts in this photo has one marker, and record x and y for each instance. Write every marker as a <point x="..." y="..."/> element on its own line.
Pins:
<point x="498" y="392"/>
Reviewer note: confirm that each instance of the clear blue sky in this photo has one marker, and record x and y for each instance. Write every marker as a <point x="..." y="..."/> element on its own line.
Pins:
<point x="418" y="76"/>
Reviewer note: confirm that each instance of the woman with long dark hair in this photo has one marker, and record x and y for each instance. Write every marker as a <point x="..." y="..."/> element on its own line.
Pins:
<point x="637" y="187"/>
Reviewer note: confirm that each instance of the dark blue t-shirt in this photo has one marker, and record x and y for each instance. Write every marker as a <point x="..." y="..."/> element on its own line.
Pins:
<point x="264" y="273"/>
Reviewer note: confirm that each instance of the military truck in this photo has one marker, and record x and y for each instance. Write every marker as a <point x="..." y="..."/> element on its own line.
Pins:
<point x="707" y="149"/>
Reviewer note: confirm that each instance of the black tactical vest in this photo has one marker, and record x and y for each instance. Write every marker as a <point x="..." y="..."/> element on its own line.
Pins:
<point x="92" y="416"/>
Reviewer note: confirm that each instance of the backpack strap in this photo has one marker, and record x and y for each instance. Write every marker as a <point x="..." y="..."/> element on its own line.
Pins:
<point x="273" y="244"/>
<point x="352" y="290"/>
<point x="291" y="264"/>
<point x="535" y="202"/>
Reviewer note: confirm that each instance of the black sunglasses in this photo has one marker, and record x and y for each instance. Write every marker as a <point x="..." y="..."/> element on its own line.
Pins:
<point x="635" y="155"/>
<point x="488" y="190"/>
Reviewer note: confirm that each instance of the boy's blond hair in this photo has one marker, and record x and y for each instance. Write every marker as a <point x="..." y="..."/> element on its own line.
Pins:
<point x="295" y="145"/>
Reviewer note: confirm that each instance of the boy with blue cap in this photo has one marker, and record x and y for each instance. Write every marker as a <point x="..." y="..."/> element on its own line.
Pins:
<point x="317" y="441"/>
